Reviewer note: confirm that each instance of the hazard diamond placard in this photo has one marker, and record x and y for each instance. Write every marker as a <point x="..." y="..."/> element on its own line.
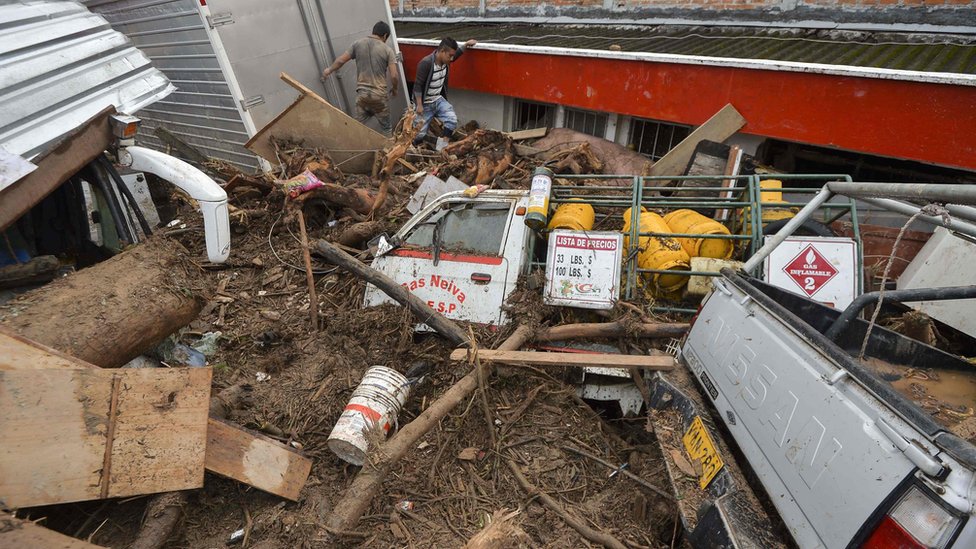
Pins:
<point x="810" y="270"/>
<point x="821" y="268"/>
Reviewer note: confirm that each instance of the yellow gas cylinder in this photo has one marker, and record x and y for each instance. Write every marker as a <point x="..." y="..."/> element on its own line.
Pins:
<point x="658" y="252"/>
<point x="575" y="216"/>
<point x="769" y="192"/>
<point x="692" y="222"/>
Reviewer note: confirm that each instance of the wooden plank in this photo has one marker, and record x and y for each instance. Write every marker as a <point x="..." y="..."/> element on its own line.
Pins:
<point x="55" y="167"/>
<point x="570" y="359"/>
<point x="316" y="123"/>
<point x="24" y="534"/>
<point x="81" y="434"/>
<point x="255" y="459"/>
<point x="534" y="133"/>
<point x="19" y="353"/>
<point x="718" y="128"/>
<point x="228" y="447"/>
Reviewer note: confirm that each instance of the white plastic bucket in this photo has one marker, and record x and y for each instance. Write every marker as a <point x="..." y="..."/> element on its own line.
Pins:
<point x="376" y="401"/>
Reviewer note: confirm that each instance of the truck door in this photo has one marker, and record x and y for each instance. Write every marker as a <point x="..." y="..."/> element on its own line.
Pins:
<point x="453" y="259"/>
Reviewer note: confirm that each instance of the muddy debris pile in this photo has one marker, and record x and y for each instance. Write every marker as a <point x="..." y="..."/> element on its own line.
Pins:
<point x="474" y="454"/>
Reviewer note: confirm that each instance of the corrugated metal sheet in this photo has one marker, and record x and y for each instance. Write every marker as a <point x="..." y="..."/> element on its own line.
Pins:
<point x="202" y="111"/>
<point x="888" y="50"/>
<point x="59" y="66"/>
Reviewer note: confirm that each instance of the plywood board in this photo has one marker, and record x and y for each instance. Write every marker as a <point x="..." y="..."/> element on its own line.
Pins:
<point x="718" y="128"/>
<point x="316" y="123"/>
<point x="82" y="434"/>
<point x="20" y="353"/>
<point x="23" y="534"/>
<point x="570" y="359"/>
<point x="255" y="459"/>
<point x="228" y="449"/>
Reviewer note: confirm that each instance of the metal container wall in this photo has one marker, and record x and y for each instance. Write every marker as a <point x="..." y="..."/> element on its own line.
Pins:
<point x="202" y="111"/>
<point x="59" y="66"/>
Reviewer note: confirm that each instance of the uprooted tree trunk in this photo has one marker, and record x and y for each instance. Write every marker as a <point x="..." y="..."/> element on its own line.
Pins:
<point x="116" y="310"/>
<point x="395" y="153"/>
<point x="482" y="156"/>
<point x="360" y="201"/>
<point x="356" y="234"/>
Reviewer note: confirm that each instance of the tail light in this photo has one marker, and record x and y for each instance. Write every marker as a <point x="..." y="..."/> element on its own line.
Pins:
<point x="917" y="521"/>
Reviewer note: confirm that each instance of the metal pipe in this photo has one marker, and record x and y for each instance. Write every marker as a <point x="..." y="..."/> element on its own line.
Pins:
<point x="911" y="209"/>
<point x="791" y="226"/>
<point x="957" y="194"/>
<point x="916" y="294"/>
<point x="965" y="212"/>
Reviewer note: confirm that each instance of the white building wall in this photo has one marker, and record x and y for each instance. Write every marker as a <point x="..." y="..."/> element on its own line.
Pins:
<point x="489" y="110"/>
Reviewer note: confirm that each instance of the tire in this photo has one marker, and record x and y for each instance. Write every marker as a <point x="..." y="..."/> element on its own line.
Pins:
<point x="808" y="228"/>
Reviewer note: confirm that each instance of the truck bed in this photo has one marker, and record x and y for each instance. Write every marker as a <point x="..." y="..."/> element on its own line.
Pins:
<point x="930" y="388"/>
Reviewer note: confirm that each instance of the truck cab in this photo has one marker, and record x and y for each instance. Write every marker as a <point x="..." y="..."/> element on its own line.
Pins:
<point x="462" y="255"/>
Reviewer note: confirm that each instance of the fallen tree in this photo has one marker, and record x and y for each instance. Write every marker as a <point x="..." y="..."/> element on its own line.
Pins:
<point x="418" y="307"/>
<point x="116" y="310"/>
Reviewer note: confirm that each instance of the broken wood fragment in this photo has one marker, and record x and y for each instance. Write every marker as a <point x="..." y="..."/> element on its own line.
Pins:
<point x="314" y="122"/>
<point x="418" y="307"/>
<point x="358" y="497"/>
<point x="570" y="359"/>
<point x="255" y="459"/>
<point x="533" y="133"/>
<point x="35" y="271"/>
<point x="313" y="300"/>
<point x="501" y="533"/>
<point x="718" y="128"/>
<point x="24" y="534"/>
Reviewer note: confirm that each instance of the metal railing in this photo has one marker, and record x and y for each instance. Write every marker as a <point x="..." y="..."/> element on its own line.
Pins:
<point x="739" y="202"/>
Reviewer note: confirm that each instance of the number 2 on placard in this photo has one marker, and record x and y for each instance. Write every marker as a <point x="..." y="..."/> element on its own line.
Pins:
<point x="809" y="283"/>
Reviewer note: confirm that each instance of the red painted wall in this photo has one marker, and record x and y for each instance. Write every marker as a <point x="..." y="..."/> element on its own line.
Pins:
<point x="932" y="123"/>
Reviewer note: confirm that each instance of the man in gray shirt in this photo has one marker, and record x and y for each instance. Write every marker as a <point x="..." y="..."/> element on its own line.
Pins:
<point x="375" y="61"/>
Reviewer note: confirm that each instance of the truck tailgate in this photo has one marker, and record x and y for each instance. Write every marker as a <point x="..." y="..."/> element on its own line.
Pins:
<point x="815" y="446"/>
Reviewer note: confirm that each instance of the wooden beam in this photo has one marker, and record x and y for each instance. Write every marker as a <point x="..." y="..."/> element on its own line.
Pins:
<point x="255" y="459"/>
<point x="570" y="359"/>
<point x="528" y="134"/>
<point x="82" y="434"/>
<point x="24" y="534"/>
<point x="718" y="128"/>
<point x="315" y="122"/>
<point x="75" y="151"/>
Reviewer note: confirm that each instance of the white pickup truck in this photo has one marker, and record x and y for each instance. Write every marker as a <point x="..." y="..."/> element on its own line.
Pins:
<point x="825" y="442"/>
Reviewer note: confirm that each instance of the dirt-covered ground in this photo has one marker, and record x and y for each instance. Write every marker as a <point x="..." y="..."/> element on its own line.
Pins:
<point x="456" y="479"/>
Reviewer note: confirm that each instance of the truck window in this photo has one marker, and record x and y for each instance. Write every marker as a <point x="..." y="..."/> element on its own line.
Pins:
<point x="463" y="228"/>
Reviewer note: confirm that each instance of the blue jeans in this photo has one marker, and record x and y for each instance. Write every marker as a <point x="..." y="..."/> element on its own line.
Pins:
<point x="441" y="110"/>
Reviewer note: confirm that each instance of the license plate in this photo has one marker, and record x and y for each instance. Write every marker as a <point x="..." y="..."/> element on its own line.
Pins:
<point x="701" y="449"/>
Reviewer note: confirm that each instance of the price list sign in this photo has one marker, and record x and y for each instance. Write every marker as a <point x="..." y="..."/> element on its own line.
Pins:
<point x="583" y="269"/>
